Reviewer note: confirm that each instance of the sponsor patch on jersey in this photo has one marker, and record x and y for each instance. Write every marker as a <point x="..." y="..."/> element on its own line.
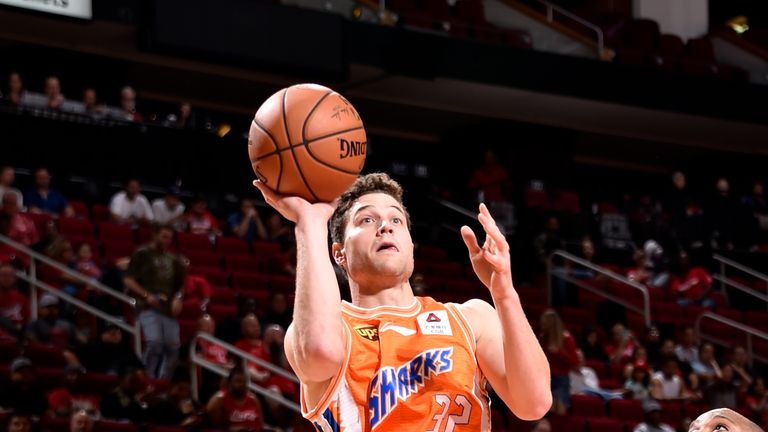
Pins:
<point x="435" y="323"/>
<point x="368" y="332"/>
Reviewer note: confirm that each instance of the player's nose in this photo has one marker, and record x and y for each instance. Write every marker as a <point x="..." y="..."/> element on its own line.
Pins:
<point x="385" y="227"/>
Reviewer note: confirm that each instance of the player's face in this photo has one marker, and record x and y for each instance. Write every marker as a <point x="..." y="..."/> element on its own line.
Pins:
<point x="718" y="421"/>
<point x="377" y="240"/>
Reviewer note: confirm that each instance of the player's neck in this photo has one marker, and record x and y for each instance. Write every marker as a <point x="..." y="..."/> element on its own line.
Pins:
<point x="400" y="295"/>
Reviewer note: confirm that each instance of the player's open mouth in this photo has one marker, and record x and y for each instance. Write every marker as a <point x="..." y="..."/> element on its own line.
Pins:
<point x="386" y="246"/>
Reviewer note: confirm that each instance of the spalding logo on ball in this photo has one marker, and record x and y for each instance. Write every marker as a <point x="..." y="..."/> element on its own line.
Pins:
<point x="307" y="140"/>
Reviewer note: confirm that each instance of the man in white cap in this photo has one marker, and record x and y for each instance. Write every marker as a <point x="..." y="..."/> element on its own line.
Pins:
<point x="652" y="423"/>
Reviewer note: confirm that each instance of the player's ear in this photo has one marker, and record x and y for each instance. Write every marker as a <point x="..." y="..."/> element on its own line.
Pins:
<point x="339" y="256"/>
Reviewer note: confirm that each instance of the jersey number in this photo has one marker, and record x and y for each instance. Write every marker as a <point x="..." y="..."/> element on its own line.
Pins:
<point x="454" y="419"/>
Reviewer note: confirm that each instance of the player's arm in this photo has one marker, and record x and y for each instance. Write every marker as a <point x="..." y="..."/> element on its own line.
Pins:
<point x="314" y="342"/>
<point x="508" y="351"/>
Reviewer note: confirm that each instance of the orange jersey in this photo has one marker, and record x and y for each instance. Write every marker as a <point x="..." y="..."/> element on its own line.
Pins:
<point x="407" y="369"/>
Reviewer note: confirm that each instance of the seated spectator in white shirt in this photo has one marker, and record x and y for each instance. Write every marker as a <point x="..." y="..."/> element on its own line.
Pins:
<point x="169" y="210"/>
<point x="7" y="178"/>
<point x="584" y="380"/>
<point x="667" y="384"/>
<point x="130" y="205"/>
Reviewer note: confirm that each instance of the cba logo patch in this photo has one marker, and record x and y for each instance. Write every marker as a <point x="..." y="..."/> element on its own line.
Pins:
<point x="368" y="332"/>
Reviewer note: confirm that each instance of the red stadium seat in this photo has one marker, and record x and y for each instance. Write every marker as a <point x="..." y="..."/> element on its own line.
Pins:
<point x="80" y="208"/>
<point x="626" y="409"/>
<point x="447" y="269"/>
<point x="100" y="212"/>
<point x="98" y="383"/>
<point x="45" y="356"/>
<point x="203" y="258"/>
<point x="261" y="247"/>
<point x="219" y="312"/>
<point x="232" y="245"/>
<point x="76" y="227"/>
<point x="214" y="276"/>
<point x="247" y="263"/>
<point x="250" y="280"/>
<point x="587" y="406"/>
<point x="284" y="284"/>
<point x="188" y="242"/>
<point x="118" y="233"/>
<point x="223" y="295"/>
<point x="114" y="426"/>
<point x="604" y="424"/>
<point x="671" y="412"/>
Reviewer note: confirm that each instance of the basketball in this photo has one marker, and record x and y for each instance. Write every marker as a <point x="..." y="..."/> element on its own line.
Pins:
<point x="307" y="140"/>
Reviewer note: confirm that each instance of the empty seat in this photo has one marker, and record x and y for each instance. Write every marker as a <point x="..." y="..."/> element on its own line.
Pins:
<point x="604" y="424"/>
<point x="232" y="245"/>
<point x="76" y="227"/>
<point x="214" y="276"/>
<point x="80" y="208"/>
<point x="587" y="406"/>
<point x="116" y="232"/>
<point x="267" y="248"/>
<point x="671" y="412"/>
<point x="250" y="280"/>
<point x="284" y="284"/>
<point x="100" y="212"/>
<point x="219" y="311"/>
<point x="203" y="258"/>
<point x="188" y="242"/>
<point x="626" y="409"/>
<point x="247" y="263"/>
<point x="45" y="356"/>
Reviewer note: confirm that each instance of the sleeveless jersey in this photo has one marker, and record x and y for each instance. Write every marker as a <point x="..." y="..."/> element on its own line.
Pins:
<point x="242" y="414"/>
<point x="407" y="369"/>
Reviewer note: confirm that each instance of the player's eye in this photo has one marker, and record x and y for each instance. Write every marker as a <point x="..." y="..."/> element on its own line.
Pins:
<point x="397" y="220"/>
<point x="367" y="220"/>
<point x="720" y="427"/>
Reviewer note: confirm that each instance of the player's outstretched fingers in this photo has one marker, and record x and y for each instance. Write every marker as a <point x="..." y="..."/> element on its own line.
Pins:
<point x="491" y="229"/>
<point x="470" y="240"/>
<point x="269" y="195"/>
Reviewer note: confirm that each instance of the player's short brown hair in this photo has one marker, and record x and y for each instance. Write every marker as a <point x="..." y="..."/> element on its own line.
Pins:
<point x="370" y="183"/>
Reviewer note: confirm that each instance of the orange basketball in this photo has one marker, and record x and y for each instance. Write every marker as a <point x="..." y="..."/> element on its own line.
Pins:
<point x="307" y="140"/>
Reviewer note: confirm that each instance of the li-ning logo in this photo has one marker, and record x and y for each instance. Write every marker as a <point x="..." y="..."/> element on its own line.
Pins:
<point x="433" y="318"/>
<point x="391" y="385"/>
<point x="349" y="148"/>
<point x="368" y="332"/>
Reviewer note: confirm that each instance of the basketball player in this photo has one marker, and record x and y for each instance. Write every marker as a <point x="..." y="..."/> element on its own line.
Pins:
<point x="723" y="419"/>
<point x="388" y="360"/>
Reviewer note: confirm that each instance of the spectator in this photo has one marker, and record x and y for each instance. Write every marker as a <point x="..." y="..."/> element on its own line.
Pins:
<point x="176" y="407"/>
<point x="656" y="264"/>
<point x="694" y="284"/>
<point x="54" y="98"/>
<point x="200" y="220"/>
<point x="50" y="235"/>
<point x="21" y="227"/>
<point x="156" y="275"/>
<point x="7" y="178"/>
<point x="560" y="349"/>
<point x="127" y="400"/>
<point x="722" y="216"/>
<point x="61" y="251"/>
<point x="81" y="421"/>
<point x="687" y="350"/>
<point x="639" y="358"/>
<point x="621" y="347"/>
<point x="757" y="401"/>
<point x="68" y="399"/>
<point x="756" y="205"/>
<point x="85" y="263"/>
<point x="666" y="384"/>
<point x="277" y="312"/>
<point x="195" y="286"/>
<point x="246" y="223"/>
<point x="14" y="306"/>
<point x="652" y="419"/>
<point x="491" y="184"/>
<point x="706" y="367"/>
<point x="591" y="345"/>
<point x="230" y="328"/>
<point x="666" y="349"/>
<point x="636" y="386"/>
<point x="43" y="199"/>
<point x="639" y="273"/>
<point x="49" y="329"/>
<point x="128" y="105"/>
<point x="184" y="119"/>
<point x="109" y="353"/>
<point x="21" y="392"/>
<point x="253" y="344"/>
<point x="235" y="408"/>
<point x="169" y="210"/>
<point x="549" y="240"/>
<point x="130" y="205"/>
<point x="721" y="391"/>
<point x="17" y="94"/>
<point x="91" y="105"/>
<point x="741" y="368"/>
<point x="19" y="421"/>
<point x="584" y="380"/>
<point x="211" y="351"/>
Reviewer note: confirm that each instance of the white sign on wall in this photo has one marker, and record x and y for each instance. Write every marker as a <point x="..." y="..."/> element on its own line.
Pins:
<point x="71" y="8"/>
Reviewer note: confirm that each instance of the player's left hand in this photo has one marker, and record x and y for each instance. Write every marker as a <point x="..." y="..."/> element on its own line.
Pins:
<point x="491" y="262"/>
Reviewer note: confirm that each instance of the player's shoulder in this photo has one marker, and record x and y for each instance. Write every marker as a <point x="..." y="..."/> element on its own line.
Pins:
<point x="475" y="306"/>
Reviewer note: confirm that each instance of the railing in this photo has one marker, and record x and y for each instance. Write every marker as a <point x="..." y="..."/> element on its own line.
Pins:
<point x="554" y="271"/>
<point x="34" y="283"/>
<point x="750" y="332"/>
<point x="197" y="360"/>
<point x="552" y="8"/>
<point x="725" y="263"/>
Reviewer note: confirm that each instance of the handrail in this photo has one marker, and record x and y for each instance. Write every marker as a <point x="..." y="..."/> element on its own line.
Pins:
<point x="195" y="358"/>
<point x="552" y="8"/>
<point x="77" y="275"/>
<point x="750" y="331"/>
<point x="646" y="309"/>
<point x="725" y="281"/>
<point x="34" y="283"/>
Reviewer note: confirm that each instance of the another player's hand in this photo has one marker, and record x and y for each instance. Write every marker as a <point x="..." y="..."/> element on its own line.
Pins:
<point x="292" y="207"/>
<point x="491" y="262"/>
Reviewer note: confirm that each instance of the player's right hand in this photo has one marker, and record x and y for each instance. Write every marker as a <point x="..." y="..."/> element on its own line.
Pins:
<point x="295" y="208"/>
